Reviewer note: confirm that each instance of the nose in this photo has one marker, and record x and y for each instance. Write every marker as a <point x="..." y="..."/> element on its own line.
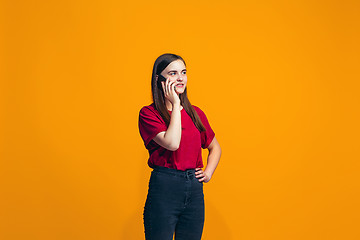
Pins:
<point x="180" y="77"/>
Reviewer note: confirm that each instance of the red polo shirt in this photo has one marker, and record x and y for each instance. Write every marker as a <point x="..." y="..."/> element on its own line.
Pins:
<point x="188" y="155"/>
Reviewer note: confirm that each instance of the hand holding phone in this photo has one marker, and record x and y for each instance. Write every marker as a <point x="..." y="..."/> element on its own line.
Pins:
<point x="173" y="98"/>
<point x="161" y="78"/>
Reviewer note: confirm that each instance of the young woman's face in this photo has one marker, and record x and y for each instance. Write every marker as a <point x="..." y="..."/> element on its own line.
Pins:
<point x="176" y="70"/>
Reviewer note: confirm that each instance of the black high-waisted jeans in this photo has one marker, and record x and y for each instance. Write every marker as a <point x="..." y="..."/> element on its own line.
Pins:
<point x="174" y="204"/>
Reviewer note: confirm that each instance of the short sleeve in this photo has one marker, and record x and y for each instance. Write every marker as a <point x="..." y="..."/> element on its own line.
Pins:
<point x="208" y="135"/>
<point x="150" y="124"/>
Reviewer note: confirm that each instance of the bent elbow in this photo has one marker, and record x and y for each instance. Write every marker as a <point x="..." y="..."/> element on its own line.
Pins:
<point x="219" y="150"/>
<point x="173" y="147"/>
<point x="215" y="149"/>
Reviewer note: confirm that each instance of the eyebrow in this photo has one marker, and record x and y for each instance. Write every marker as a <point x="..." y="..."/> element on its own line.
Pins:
<point x="176" y="71"/>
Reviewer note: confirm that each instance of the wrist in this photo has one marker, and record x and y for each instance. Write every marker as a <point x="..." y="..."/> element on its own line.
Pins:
<point x="176" y="106"/>
<point x="208" y="173"/>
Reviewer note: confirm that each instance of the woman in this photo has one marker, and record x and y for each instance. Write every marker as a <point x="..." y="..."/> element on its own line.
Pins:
<point x="174" y="131"/>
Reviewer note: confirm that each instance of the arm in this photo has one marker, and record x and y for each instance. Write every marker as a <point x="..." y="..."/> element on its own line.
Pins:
<point x="212" y="162"/>
<point x="170" y="139"/>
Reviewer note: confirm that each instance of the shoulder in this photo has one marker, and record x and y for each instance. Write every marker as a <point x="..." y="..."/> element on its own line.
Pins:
<point x="148" y="109"/>
<point x="149" y="112"/>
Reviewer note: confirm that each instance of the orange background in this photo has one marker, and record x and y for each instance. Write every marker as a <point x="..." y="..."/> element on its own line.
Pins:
<point x="278" y="81"/>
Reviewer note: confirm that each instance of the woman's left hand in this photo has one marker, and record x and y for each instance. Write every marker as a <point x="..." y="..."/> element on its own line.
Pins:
<point x="201" y="175"/>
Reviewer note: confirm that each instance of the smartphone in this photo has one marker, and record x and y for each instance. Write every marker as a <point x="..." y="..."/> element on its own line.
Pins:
<point x="161" y="78"/>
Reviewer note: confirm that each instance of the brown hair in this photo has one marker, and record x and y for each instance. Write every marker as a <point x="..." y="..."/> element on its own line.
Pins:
<point x="158" y="93"/>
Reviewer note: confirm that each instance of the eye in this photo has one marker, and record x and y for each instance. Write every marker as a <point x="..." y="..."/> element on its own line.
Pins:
<point x="184" y="72"/>
<point x="172" y="73"/>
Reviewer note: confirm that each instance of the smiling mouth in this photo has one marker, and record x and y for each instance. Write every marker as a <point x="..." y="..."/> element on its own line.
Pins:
<point x="180" y="85"/>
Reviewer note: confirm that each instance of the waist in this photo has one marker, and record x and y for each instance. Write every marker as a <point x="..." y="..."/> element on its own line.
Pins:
<point x="189" y="173"/>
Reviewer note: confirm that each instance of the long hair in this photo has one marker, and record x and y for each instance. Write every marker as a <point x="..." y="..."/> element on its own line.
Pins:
<point x="158" y="93"/>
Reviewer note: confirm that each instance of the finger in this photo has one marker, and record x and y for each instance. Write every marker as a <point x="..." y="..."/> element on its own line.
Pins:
<point x="172" y="86"/>
<point x="166" y="89"/>
<point x="200" y="174"/>
<point x="201" y="179"/>
<point x="168" y="85"/>
<point x="163" y="86"/>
